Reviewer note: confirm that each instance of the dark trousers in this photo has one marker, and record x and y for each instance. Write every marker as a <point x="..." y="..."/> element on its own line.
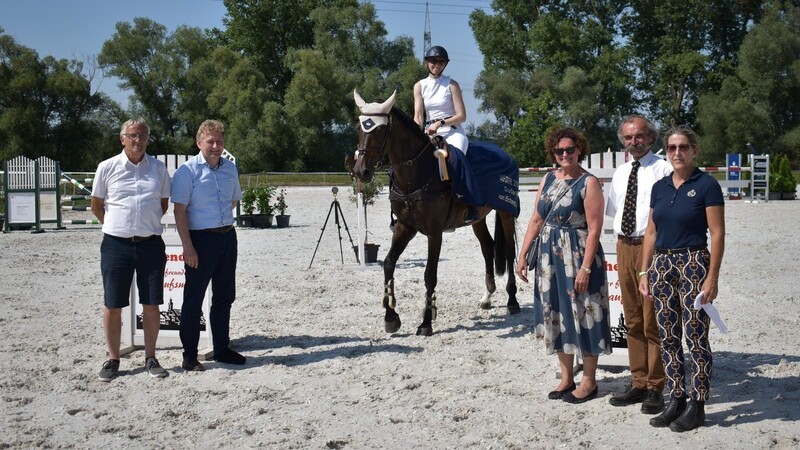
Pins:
<point x="216" y="254"/>
<point x="644" y="343"/>
<point x="675" y="281"/>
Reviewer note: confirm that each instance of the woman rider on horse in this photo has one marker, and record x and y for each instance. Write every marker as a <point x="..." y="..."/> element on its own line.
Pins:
<point x="438" y="99"/>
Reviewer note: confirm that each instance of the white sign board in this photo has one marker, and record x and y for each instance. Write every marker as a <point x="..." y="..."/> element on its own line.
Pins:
<point x="21" y="207"/>
<point x="619" y="332"/>
<point x="48" y="206"/>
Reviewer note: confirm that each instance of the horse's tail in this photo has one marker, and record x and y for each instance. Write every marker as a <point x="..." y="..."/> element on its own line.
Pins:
<point x="500" y="244"/>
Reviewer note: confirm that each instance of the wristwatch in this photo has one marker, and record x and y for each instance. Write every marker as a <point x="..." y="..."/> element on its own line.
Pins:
<point x="586" y="269"/>
<point x="441" y="121"/>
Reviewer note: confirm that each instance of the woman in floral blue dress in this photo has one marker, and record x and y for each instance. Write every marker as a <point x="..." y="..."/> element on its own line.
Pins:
<point x="571" y="290"/>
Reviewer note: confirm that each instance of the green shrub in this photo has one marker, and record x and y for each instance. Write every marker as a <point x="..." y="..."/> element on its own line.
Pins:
<point x="263" y="198"/>
<point x="781" y="178"/>
<point x="280" y="202"/>
<point x="249" y="200"/>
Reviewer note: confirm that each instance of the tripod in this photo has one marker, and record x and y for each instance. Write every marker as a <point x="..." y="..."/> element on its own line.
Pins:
<point x="336" y="209"/>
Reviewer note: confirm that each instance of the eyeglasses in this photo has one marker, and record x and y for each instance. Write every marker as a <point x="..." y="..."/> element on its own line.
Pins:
<point x="682" y="147"/>
<point x="631" y="137"/>
<point x="437" y="62"/>
<point x="569" y="150"/>
<point x="137" y="136"/>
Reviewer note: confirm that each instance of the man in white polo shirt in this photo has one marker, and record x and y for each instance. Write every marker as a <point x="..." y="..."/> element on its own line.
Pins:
<point x="129" y="197"/>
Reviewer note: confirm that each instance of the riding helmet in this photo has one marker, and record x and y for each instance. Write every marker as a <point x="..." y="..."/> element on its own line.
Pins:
<point x="437" y="51"/>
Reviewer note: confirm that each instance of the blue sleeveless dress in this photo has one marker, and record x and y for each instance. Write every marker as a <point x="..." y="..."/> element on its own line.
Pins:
<point x="568" y="322"/>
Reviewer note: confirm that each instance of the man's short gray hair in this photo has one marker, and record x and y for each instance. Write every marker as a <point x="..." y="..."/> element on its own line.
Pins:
<point x="651" y="128"/>
<point x="133" y="122"/>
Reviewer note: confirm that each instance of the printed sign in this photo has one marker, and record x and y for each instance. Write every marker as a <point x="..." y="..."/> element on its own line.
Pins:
<point x="21" y="207"/>
<point x="619" y="332"/>
<point x="174" y="280"/>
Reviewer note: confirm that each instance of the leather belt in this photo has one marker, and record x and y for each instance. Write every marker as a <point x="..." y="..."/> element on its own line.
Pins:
<point x="636" y="240"/>
<point x="221" y="230"/>
<point x="436" y="120"/>
<point x="675" y="251"/>
<point x="134" y="238"/>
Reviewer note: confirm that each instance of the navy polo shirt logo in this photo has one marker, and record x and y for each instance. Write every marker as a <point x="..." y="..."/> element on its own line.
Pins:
<point x="691" y="193"/>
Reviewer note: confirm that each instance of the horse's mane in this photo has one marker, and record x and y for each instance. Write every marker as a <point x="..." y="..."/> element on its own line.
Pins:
<point x="408" y="122"/>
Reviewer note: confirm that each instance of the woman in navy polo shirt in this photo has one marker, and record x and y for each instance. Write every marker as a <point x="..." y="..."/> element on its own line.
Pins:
<point x="683" y="206"/>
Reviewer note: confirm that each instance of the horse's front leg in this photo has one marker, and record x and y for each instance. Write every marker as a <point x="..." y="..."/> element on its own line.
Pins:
<point x="507" y="227"/>
<point x="487" y="250"/>
<point x="400" y="238"/>
<point x="429" y="314"/>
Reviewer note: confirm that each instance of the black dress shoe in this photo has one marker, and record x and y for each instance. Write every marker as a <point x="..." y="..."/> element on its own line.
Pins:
<point x="570" y="398"/>
<point x="674" y="410"/>
<point x="694" y="416"/>
<point x="631" y="396"/>
<point x="192" y="365"/>
<point x="556" y="395"/>
<point x="653" y="403"/>
<point x="229" y="357"/>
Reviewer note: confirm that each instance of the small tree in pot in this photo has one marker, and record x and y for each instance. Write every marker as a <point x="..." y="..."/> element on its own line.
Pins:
<point x="282" y="219"/>
<point x="263" y="198"/>
<point x="248" y="207"/>
<point x="369" y="193"/>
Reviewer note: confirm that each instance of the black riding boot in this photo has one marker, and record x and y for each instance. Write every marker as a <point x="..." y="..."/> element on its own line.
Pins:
<point x="693" y="417"/>
<point x="674" y="409"/>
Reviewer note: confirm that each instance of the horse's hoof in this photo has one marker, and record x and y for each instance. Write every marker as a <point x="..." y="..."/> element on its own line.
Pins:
<point x="392" y="326"/>
<point x="424" y="331"/>
<point x="514" y="309"/>
<point x="486" y="305"/>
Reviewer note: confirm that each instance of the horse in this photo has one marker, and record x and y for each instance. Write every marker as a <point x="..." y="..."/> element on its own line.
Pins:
<point x="423" y="203"/>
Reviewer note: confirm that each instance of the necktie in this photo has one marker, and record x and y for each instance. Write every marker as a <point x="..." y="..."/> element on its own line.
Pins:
<point x="629" y="210"/>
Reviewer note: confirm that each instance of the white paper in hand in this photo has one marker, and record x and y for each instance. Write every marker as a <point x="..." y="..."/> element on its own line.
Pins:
<point x="712" y="312"/>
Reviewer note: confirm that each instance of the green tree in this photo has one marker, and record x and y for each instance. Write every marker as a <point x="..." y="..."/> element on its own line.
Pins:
<point x="267" y="30"/>
<point x="563" y="60"/>
<point x="760" y="102"/>
<point x="155" y="66"/>
<point x="350" y="52"/>
<point x="47" y="108"/>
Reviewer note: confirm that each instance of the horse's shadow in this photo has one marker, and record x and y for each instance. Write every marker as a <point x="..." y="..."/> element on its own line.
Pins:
<point x="743" y="380"/>
<point x="339" y="349"/>
<point x="516" y="324"/>
<point x="413" y="263"/>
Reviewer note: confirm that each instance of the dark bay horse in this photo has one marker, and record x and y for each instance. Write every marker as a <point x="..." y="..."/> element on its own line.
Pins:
<point x="423" y="203"/>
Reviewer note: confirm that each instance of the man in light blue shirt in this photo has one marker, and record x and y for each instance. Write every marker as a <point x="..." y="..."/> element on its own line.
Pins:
<point x="205" y="190"/>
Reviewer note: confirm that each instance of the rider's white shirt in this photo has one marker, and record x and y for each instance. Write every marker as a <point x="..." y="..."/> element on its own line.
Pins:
<point x="438" y="102"/>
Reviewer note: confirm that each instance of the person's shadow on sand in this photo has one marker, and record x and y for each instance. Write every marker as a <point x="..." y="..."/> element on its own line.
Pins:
<point x="758" y="386"/>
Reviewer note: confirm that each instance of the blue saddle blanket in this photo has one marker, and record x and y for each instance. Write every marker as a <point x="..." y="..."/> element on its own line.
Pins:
<point x="486" y="175"/>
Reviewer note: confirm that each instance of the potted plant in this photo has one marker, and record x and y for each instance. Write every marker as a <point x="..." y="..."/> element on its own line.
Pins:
<point x="782" y="185"/>
<point x="248" y="207"/>
<point x="369" y="193"/>
<point x="263" y="197"/>
<point x="281" y="219"/>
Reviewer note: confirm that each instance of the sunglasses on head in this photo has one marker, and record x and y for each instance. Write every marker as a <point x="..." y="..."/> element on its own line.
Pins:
<point x="569" y="150"/>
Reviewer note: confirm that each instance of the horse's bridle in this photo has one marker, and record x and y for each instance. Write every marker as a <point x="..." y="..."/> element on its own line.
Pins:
<point x="364" y="151"/>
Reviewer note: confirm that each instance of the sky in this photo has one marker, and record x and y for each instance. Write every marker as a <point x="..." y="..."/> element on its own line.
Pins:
<point x="76" y="29"/>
